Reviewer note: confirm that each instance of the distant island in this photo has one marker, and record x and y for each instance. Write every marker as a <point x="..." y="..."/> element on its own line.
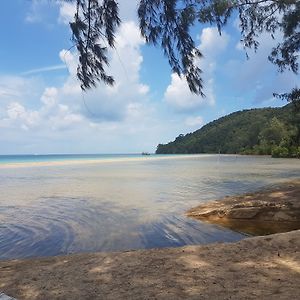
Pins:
<point x="261" y="131"/>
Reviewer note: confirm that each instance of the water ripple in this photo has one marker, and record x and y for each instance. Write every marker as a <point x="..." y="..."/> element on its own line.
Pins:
<point x="129" y="205"/>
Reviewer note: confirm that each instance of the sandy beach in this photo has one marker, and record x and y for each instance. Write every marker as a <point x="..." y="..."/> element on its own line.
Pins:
<point x="56" y="163"/>
<point x="255" y="268"/>
<point x="265" y="267"/>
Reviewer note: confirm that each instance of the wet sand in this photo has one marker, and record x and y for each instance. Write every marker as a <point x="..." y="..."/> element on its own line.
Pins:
<point x="265" y="267"/>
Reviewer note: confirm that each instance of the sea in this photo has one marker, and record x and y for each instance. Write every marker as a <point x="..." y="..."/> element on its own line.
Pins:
<point x="62" y="204"/>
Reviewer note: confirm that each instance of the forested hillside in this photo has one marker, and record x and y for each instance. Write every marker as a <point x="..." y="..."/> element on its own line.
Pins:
<point x="256" y="131"/>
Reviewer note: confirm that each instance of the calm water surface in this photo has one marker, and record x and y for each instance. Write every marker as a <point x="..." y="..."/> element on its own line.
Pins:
<point x="121" y="202"/>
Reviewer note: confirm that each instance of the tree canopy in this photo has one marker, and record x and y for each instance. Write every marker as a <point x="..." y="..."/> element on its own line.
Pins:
<point x="167" y="24"/>
<point x="273" y="131"/>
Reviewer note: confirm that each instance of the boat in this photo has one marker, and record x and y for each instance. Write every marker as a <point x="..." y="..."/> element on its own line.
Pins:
<point x="145" y="153"/>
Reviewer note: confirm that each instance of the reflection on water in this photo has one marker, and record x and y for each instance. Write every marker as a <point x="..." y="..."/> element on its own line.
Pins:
<point x="52" y="210"/>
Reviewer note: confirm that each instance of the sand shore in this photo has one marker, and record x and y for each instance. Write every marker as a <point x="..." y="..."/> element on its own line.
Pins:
<point x="67" y="162"/>
<point x="265" y="267"/>
<point x="255" y="268"/>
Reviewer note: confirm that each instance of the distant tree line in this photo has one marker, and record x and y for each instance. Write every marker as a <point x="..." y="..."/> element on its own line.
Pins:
<point x="267" y="131"/>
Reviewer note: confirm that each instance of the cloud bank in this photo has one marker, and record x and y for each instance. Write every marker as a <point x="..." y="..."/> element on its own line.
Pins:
<point x="178" y="95"/>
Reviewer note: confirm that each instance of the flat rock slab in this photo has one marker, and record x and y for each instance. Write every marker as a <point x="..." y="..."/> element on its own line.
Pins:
<point x="272" y="210"/>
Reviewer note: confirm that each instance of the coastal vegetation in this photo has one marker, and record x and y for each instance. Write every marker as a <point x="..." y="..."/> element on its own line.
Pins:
<point x="265" y="131"/>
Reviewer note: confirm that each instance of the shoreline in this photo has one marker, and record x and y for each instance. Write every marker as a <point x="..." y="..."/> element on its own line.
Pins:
<point x="264" y="267"/>
<point x="12" y="165"/>
<point x="67" y="162"/>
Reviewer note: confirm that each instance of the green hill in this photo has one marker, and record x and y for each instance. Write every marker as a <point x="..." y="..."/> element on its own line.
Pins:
<point x="256" y="131"/>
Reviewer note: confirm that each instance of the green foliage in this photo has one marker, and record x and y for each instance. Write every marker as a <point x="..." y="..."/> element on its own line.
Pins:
<point x="285" y="55"/>
<point x="167" y="24"/>
<point x="279" y="151"/>
<point x="293" y="96"/>
<point x="257" y="131"/>
<point x="274" y="133"/>
<point x="93" y="33"/>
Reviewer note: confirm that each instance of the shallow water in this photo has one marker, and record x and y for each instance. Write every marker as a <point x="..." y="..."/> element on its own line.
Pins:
<point x="120" y="203"/>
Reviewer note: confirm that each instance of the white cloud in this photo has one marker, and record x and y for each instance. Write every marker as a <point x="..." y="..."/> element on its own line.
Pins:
<point x="239" y="46"/>
<point x="196" y="121"/>
<point x="257" y="77"/>
<point x="98" y="119"/>
<point x="127" y="10"/>
<point x="64" y="118"/>
<point x="19" y="89"/>
<point x="66" y="12"/>
<point x="34" y="14"/>
<point x="35" y="118"/>
<point x="50" y="115"/>
<point x="106" y="103"/>
<point x="49" y="97"/>
<point x="178" y="95"/>
<point x="39" y="12"/>
<point x="19" y="116"/>
<point x="212" y="43"/>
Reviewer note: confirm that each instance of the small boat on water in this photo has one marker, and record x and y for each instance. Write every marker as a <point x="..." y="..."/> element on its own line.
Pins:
<point x="145" y="153"/>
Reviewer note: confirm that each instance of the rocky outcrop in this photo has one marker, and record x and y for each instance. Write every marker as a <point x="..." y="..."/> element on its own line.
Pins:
<point x="276" y="209"/>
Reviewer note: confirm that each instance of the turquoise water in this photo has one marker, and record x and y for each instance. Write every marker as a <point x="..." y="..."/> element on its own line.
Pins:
<point x="121" y="202"/>
<point x="60" y="157"/>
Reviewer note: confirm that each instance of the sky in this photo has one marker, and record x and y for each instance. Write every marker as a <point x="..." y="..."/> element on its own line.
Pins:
<point x="43" y="110"/>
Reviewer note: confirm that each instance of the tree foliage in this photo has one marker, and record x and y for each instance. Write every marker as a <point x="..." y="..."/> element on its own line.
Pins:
<point x="167" y="24"/>
<point x="273" y="131"/>
<point x="93" y="31"/>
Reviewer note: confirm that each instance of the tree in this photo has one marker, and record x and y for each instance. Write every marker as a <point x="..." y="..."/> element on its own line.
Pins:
<point x="274" y="132"/>
<point x="167" y="24"/>
<point x="94" y="26"/>
<point x="257" y="131"/>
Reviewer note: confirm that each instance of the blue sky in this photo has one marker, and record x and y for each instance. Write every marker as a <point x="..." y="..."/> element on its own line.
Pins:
<point x="43" y="110"/>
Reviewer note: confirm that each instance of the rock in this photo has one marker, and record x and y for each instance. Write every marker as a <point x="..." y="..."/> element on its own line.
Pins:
<point x="243" y="213"/>
<point x="272" y="210"/>
<point x="283" y="216"/>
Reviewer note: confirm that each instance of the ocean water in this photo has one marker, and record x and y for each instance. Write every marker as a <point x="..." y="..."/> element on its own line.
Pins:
<point x="53" y="205"/>
<point x="6" y="159"/>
